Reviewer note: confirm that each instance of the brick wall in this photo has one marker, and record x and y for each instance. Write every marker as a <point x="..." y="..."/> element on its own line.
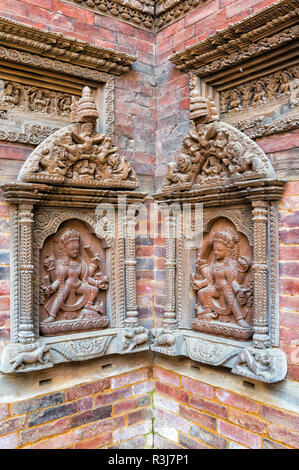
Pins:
<point x="151" y="120"/>
<point x="111" y="412"/>
<point x="193" y="414"/>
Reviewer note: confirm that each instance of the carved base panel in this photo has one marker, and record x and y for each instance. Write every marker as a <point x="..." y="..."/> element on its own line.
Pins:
<point x="61" y="327"/>
<point x="17" y="358"/>
<point x="223" y="329"/>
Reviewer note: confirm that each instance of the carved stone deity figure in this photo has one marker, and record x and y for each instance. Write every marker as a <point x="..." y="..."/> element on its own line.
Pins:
<point x="224" y="291"/>
<point x="69" y="290"/>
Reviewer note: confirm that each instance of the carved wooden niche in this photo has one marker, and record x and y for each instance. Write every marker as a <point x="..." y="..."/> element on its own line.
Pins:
<point x="223" y="285"/>
<point x="73" y="269"/>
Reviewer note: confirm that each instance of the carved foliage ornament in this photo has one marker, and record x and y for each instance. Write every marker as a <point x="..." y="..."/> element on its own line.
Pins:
<point x="78" y="156"/>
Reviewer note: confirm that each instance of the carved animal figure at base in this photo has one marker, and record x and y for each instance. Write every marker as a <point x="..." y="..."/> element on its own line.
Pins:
<point x="163" y="337"/>
<point x="133" y="338"/>
<point x="31" y="357"/>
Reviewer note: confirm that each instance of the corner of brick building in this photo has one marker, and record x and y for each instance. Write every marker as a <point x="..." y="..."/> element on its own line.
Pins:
<point x="145" y="401"/>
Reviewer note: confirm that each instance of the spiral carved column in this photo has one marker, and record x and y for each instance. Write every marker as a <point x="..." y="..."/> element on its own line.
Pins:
<point x="261" y="337"/>
<point x="26" y="329"/>
<point x="170" y="314"/>
<point x="130" y="264"/>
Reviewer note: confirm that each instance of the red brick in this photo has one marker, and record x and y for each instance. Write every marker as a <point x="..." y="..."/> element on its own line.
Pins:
<point x="202" y="12"/>
<point x="280" y="417"/>
<point x="4" y="242"/>
<point x="101" y="427"/>
<point x="69" y="10"/>
<point x="247" y="421"/>
<point x="171" y="419"/>
<point x="291" y="188"/>
<point x="95" y="443"/>
<point x="9" y="442"/>
<point x="279" y="142"/>
<point x="167" y="376"/>
<point x="59" y="442"/>
<point x="4" y="303"/>
<point x="289" y="286"/>
<point x="171" y="391"/>
<point x="4" y="288"/>
<point x="211" y="22"/>
<point x="35" y="434"/>
<point x="14" y="6"/>
<point x="283" y="435"/>
<point x="50" y="18"/>
<point x="234" y="8"/>
<point x="198" y="417"/>
<point x="262" y="5"/>
<point x="3" y="412"/>
<point x="239" y="435"/>
<point x="289" y="221"/>
<point x="127" y="405"/>
<point x="140" y="415"/>
<point x="288" y="253"/>
<point x="209" y="406"/>
<point x="130" y="378"/>
<point x="188" y="443"/>
<point x="268" y="444"/>
<point x="293" y="372"/>
<point x="88" y="389"/>
<point x="106" y="398"/>
<point x="290" y="320"/>
<point x="289" y="237"/>
<point x="4" y="210"/>
<point x="198" y="388"/>
<point x="287" y="335"/>
<point x="289" y="269"/>
<point x="236" y="401"/>
<point x="12" y="425"/>
<point x="14" y="152"/>
<point x="144" y="251"/>
<point x="84" y="404"/>
<point x="39" y="3"/>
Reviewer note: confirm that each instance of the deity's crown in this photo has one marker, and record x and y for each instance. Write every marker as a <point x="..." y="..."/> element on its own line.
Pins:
<point x="85" y="109"/>
<point x="69" y="235"/>
<point x="226" y="238"/>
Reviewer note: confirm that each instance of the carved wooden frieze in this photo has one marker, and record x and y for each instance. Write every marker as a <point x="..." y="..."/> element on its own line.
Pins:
<point x="225" y="309"/>
<point x="73" y="250"/>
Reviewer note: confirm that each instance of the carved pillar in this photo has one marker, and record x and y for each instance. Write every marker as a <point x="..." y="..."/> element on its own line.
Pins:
<point x="170" y="314"/>
<point x="261" y="337"/>
<point x="26" y="330"/>
<point x="130" y="264"/>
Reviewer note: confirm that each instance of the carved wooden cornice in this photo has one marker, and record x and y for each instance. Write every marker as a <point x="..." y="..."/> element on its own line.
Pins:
<point x="31" y="40"/>
<point x="151" y="15"/>
<point x="270" y="33"/>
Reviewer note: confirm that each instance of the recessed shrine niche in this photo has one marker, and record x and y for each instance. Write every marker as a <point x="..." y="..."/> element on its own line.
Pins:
<point x="222" y="281"/>
<point x="73" y="264"/>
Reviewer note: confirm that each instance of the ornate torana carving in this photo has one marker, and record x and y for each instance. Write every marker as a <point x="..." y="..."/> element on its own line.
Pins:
<point x="76" y="155"/>
<point x="27" y="98"/>
<point x="224" y="285"/>
<point x="130" y="264"/>
<point x="266" y="90"/>
<point x="216" y="155"/>
<point x="69" y="286"/>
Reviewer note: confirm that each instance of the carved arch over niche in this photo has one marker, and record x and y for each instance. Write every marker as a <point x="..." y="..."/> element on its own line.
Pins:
<point x="233" y="179"/>
<point x="73" y="269"/>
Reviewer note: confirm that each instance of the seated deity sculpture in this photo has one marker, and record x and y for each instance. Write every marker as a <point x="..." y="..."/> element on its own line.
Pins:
<point x="70" y="284"/>
<point x="222" y="293"/>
